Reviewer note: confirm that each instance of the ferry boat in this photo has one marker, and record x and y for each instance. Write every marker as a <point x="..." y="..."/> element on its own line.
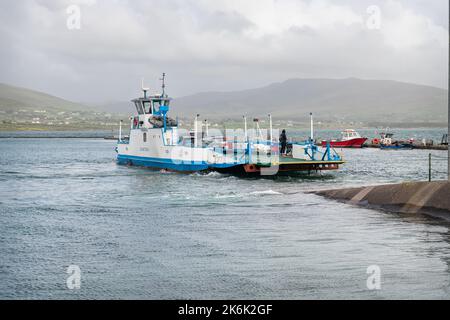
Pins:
<point x="156" y="141"/>
<point x="350" y="139"/>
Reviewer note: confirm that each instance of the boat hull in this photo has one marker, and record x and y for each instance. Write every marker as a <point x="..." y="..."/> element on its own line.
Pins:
<point x="353" y="143"/>
<point x="161" y="164"/>
<point x="397" y="147"/>
<point x="285" y="165"/>
<point x="281" y="169"/>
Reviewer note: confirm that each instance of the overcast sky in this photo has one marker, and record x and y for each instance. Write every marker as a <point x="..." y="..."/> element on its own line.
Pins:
<point x="216" y="45"/>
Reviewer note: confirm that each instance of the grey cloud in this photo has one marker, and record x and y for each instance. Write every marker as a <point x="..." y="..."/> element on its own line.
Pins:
<point x="220" y="21"/>
<point x="205" y="45"/>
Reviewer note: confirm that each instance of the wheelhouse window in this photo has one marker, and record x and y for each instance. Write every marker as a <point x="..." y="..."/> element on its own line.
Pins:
<point x="147" y="107"/>
<point x="145" y="136"/>
<point x="139" y="108"/>
<point x="156" y="105"/>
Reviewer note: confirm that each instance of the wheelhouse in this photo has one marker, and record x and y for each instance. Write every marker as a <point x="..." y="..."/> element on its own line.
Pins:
<point x="350" y="134"/>
<point x="151" y="105"/>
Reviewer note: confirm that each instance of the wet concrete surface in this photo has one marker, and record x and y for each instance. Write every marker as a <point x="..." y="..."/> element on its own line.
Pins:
<point x="430" y="198"/>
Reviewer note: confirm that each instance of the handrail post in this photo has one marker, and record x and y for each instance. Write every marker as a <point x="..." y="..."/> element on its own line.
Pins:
<point x="195" y="131"/>
<point x="270" y="128"/>
<point x="245" y="128"/>
<point x="120" y="131"/>
<point x="429" y="167"/>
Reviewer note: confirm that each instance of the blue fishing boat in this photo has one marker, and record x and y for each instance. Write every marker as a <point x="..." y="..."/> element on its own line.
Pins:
<point x="388" y="143"/>
<point x="156" y="141"/>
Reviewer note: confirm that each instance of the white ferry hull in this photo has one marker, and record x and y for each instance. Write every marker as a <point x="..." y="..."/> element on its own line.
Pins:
<point x="156" y="151"/>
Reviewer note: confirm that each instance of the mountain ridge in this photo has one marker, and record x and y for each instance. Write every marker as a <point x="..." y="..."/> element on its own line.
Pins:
<point x="331" y="98"/>
<point x="349" y="99"/>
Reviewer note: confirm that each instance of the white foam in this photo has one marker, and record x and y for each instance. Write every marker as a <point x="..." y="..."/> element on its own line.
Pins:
<point x="265" y="193"/>
<point x="227" y="196"/>
<point x="212" y="174"/>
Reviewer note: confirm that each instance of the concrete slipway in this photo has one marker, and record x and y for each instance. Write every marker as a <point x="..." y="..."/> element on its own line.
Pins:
<point x="430" y="198"/>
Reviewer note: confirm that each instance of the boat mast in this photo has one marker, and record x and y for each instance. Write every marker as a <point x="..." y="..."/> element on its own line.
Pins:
<point x="163" y="80"/>
<point x="312" y="127"/>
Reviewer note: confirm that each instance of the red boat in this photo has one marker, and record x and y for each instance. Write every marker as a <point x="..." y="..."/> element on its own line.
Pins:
<point x="350" y="139"/>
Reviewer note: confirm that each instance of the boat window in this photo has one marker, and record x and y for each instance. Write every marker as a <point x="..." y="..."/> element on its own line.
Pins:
<point x="156" y="105"/>
<point x="147" y="107"/>
<point x="139" y="108"/>
<point x="145" y="136"/>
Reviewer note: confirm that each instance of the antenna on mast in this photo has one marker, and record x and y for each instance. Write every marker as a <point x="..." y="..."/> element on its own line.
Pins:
<point x="163" y="79"/>
<point x="144" y="88"/>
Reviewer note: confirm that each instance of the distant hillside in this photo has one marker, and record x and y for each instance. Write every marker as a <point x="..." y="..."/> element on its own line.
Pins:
<point x="373" y="102"/>
<point x="14" y="98"/>
<point x="117" y="107"/>
<point x="343" y="99"/>
<point x="24" y="109"/>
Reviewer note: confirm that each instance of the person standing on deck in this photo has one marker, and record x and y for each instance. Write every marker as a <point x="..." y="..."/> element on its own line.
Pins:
<point x="283" y="141"/>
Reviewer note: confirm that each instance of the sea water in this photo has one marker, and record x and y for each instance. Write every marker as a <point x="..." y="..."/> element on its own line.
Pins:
<point x="135" y="233"/>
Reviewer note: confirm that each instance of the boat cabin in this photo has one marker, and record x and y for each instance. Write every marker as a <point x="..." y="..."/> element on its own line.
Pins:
<point x="152" y="110"/>
<point x="151" y="105"/>
<point x="386" y="138"/>
<point x="350" y="134"/>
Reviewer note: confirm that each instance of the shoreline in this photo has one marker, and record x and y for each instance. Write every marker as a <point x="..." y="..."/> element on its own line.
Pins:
<point x="112" y="136"/>
<point x="68" y="137"/>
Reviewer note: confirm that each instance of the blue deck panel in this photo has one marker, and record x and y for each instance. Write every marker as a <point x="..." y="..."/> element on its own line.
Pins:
<point x="162" y="163"/>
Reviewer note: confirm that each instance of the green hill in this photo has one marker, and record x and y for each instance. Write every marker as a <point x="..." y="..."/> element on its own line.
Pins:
<point x="24" y="109"/>
<point x="16" y="98"/>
